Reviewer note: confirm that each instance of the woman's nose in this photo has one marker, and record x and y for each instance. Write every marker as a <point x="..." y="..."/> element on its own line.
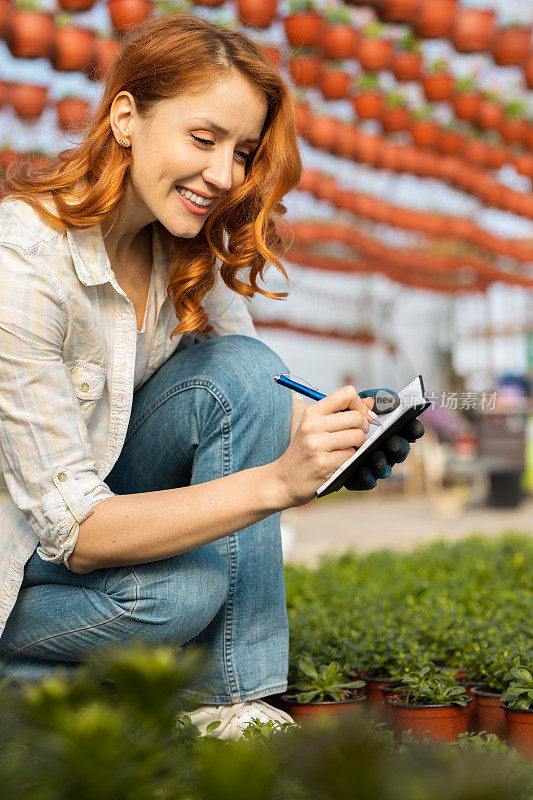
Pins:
<point x="220" y="170"/>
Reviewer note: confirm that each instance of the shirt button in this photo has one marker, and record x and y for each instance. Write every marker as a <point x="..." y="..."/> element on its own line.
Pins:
<point x="61" y="476"/>
<point x="84" y="387"/>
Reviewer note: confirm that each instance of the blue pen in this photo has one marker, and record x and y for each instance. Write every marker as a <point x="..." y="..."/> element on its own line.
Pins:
<point x="285" y="380"/>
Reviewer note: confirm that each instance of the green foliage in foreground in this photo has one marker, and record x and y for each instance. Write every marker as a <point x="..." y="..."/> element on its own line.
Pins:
<point x="109" y="732"/>
<point x="468" y="604"/>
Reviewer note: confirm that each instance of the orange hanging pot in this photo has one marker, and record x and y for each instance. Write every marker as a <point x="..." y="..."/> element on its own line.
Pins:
<point x="272" y="53"/>
<point x="29" y="33"/>
<point x="257" y="13"/>
<point x="302" y="112"/>
<point x="398" y="10"/>
<point x="438" y="86"/>
<point x="73" y="113"/>
<point x="450" y="142"/>
<point x="513" y="130"/>
<point x="346" y="140"/>
<point x="466" y="105"/>
<point x="510" y="46"/>
<point x="406" y="66"/>
<point x="5" y="93"/>
<point x="5" y="6"/>
<point x="308" y="180"/>
<point x="340" y="41"/>
<point x="424" y="132"/>
<point x="374" y="53"/>
<point x="473" y="29"/>
<point x="497" y="156"/>
<point x="394" y="118"/>
<point x="477" y="152"/>
<point x="490" y="115"/>
<point x="368" y="105"/>
<point x="75" y="6"/>
<point x="104" y="51"/>
<point x="523" y="163"/>
<point x="128" y="14"/>
<point x="368" y="147"/>
<point x="528" y="71"/>
<point x="326" y="187"/>
<point x="334" y="83"/>
<point x="323" y="131"/>
<point x="72" y="47"/>
<point x="304" y="68"/>
<point x="303" y="29"/>
<point x="28" y="100"/>
<point x="434" y="19"/>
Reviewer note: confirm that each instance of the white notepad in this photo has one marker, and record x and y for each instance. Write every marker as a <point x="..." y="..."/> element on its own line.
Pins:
<point x="412" y="403"/>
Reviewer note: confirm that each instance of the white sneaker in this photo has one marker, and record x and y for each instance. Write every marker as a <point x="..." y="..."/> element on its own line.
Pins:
<point x="236" y="717"/>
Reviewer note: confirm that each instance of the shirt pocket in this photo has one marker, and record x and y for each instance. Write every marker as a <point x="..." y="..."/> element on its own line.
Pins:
<point x="88" y="380"/>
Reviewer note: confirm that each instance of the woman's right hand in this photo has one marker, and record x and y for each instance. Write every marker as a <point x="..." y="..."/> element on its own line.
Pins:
<point x="329" y="432"/>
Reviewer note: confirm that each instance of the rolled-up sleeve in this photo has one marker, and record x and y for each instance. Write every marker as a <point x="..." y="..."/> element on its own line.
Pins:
<point x="46" y="457"/>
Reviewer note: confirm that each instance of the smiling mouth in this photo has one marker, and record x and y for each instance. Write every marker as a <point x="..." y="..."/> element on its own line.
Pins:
<point x="197" y="200"/>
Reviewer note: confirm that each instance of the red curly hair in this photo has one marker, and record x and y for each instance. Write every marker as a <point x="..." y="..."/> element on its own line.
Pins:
<point x="166" y="56"/>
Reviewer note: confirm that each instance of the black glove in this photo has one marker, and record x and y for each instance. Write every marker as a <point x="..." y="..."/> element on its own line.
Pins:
<point x="381" y="462"/>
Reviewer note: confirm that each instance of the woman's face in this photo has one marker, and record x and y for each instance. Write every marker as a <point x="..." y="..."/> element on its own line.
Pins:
<point x="181" y="145"/>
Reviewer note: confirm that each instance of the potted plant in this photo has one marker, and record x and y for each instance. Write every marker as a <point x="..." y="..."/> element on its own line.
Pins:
<point x="322" y="691"/>
<point x="339" y="38"/>
<point x="72" y="46"/>
<point x="105" y="48"/>
<point x="5" y="93"/>
<point x="323" y="131"/>
<point x="514" y="123"/>
<point x="334" y="80"/>
<point x="517" y="702"/>
<point x="438" y="81"/>
<point x="511" y="44"/>
<point x="394" y="114"/>
<point x="257" y="13"/>
<point x="29" y="29"/>
<point x="490" y="113"/>
<point x="424" y="130"/>
<point x="368" y="100"/>
<point x="434" y="20"/>
<point x="128" y="14"/>
<point x="488" y="667"/>
<point x="28" y="99"/>
<point x="406" y="58"/>
<point x="398" y="10"/>
<point x="346" y="140"/>
<point x="368" y="147"/>
<point x="375" y="49"/>
<point x="473" y="29"/>
<point x="498" y="153"/>
<point x="528" y="70"/>
<point x="432" y="703"/>
<point x="304" y="66"/>
<point x="303" y="26"/>
<point x="302" y="111"/>
<point x="477" y="149"/>
<point x="72" y="112"/>
<point x="466" y="99"/>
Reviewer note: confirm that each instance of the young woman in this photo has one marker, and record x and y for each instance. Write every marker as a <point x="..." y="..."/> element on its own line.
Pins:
<point x="146" y="450"/>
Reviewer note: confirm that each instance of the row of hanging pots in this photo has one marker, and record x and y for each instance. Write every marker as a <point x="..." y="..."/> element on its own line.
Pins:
<point x="346" y="140"/>
<point x="325" y="187"/>
<point x="30" y="100"/>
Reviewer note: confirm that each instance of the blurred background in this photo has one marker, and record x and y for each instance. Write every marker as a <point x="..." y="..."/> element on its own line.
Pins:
<point x="412" y="226"/>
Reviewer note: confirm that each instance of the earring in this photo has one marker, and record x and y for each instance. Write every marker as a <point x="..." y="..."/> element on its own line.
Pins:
<point x="123" y="142"/>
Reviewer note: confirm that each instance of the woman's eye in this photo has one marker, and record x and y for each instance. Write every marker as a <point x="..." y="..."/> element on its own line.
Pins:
<point x="208" y="141"/>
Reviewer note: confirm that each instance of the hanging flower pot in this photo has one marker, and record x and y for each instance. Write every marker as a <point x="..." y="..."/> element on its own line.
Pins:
<point x="346" y="140"/>
<point x="257" y="13"/>
<point x="29" y="31"/>
<point x="450" y="141"/>
<point x="438" y="82"/>
<point x="303" y="26"/>
<point x="490" y="114"/>
<point x="368" y="147"/>
<point x="424" y="131"/>
<point x="105" y="48"/>
<point x="434" y="19"/>
<point x="334" y="81"/>
<point x="497" y="154"/>
<point x="511" y="45"/>
<point x="528" y="71"/>
<point x="74" y="6"/>
<point x="465" y="99"/>
<point x="5" y="6"/>
<point x="394" y="114"/>
<point x="72" y="46"/>
<point x="339" y="38"/>
<point x="323" y="131"/>
<point x="477" y="152"/>
<point x="128" y="14"/>
<point x="375" y="50"/>
<point x="398" y="10"/>
<point x="514" y="124"/>
<point x="523" y="163"/>
<point x="308" y="181"/>
<point x="326" y="187"/>
<point x="368" y="100"/>
<point x="473" y="29"/>
<point x="73" y="113"/>
<point x="302" y="113"/>
<point x="272" y="53"/>
<point x="5" y="93"/>
<point x="406" y="61"/>
<point x="490" y="715"/>
<point x="28" y="100"/>
<point x="304" y="66"/>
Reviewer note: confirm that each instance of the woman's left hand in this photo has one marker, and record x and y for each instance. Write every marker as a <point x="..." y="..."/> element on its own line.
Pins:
<point x="381" y="462"/>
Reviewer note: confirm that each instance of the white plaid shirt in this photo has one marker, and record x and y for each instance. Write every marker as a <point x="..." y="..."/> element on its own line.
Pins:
<point x="68" y="337"/>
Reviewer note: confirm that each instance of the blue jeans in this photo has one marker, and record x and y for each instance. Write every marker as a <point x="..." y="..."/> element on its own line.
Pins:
<point x="210" y="410"/>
